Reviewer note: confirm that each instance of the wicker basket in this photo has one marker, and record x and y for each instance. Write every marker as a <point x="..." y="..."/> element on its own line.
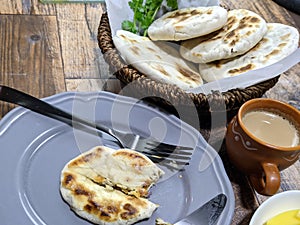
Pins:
<point x="170" y="96"/>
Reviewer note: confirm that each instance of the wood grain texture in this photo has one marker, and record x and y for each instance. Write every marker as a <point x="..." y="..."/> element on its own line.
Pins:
<point x="269" y="10"/>
<point x="245" y="199"/>
<point x="11" y="7"/>
<point x="80" y="51"/>
<point x="31" y="51"/>
<point x="90" y="85"/>
<point x="26" y="7"/>
<point x="293" y="5"/>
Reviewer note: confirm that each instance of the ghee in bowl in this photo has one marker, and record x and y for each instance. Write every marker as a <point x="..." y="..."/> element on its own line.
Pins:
<point x="279" y="206"/>
<point x="290" y="217"/>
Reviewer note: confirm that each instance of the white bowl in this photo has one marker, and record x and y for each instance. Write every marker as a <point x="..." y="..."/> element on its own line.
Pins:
<point x="278" y="203"/>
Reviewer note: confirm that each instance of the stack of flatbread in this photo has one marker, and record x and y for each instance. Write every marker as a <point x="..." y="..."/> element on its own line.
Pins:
<point x="279" y="41"/>
<point x="246" y="42"/>
<point x="219" y="43"/>
<point x="161" y="60"/>
<point x="110" y="187"/>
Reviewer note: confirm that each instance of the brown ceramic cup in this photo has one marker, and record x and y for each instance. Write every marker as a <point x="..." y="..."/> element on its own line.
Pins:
<point x="257" y="158"/>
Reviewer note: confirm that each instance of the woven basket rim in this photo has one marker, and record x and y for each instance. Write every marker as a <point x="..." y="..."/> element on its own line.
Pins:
<point x="172" y="94"/>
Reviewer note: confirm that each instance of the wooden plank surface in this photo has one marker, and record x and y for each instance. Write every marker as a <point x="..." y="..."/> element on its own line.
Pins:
<point x="80" y="52"/>
<point x="269" y="10"/>
<point x="31" y="51"/>
<point x="77" y="26"/>
<point x="90" y="85"/>
<point x="26" y="7"/>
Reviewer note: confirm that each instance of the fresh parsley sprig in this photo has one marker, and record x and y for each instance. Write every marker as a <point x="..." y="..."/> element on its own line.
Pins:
<point x="173" y="4"/>
<point x="144" y="14"/>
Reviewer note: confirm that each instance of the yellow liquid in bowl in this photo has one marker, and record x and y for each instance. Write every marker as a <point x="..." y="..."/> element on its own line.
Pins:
<point x="291" y="217"/>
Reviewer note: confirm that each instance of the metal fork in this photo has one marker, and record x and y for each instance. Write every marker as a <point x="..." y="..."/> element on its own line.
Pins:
<point x="170" y="155"/>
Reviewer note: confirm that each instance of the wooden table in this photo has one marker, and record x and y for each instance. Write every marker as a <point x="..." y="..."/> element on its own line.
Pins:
<point x="51" y="48"/>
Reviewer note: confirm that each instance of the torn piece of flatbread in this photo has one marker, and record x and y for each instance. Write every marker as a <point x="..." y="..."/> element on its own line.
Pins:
<point x="243" y="30"/>
<point x="187" y="23"/>
<point x="157" y="60"/>
<point x="102" y="205"/>
<point x="160" y="221"/>
<point x="129" y="170"/>
<point x="107" y="186"/>
<point x="279" y="41"/>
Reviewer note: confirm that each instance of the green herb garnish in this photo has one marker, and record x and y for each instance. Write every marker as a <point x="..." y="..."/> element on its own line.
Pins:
<point x="173" y="4"/>
<point x="144" y="14"/>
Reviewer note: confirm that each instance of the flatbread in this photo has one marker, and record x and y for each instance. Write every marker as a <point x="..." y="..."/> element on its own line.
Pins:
<point x="129" y="170"/>
<point x="243" y="30"/>
<point x="157" y="60"/>
<point x="160" y="221"/>
<point x="187" y="23"/>
<point x="107" y="186"/>
<point x="103" y="205"/>
<point x="279" y="41"/>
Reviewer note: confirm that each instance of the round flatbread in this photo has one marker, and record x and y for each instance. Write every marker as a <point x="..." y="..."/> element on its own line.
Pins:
<point x="243" y="30"/>
<point x="279" y="41"/>
<point x="187" y="23"/>
<point x="157" y="60"/>
<point x="109" y="187"/>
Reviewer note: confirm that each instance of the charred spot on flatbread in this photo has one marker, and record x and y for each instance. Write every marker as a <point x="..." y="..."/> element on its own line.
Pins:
<point x="180" y="16"/>
<point x="187" y="75"/>
<point x="242" y="69"/>
<point x="160" y="68"/>
<point x="86" y="158"/>
<point x="103" y="212"/>
<point x="135" y="50"/>
<point x="136" y="160"/>
<point x="68" y="179"/>
<point x="247" y="23"/>
<point x="112" y="211"/>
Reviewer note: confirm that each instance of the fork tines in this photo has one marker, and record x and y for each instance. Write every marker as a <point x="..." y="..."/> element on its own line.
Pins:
<point x="171" y="156"/>
<point x="167" y="161"/>
<point x="168" y="147"/>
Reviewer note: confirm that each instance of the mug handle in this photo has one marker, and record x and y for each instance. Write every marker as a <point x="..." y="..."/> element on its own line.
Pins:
<point x="269" y="184"/>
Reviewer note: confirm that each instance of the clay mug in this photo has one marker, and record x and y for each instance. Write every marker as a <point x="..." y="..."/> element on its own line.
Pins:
<point x="263" y="139"/>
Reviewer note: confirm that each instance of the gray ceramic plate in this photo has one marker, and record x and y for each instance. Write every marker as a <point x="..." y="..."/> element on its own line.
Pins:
<point x="35" y="149"/>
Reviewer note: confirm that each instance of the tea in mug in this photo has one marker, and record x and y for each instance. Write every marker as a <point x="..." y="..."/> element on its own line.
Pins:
<point x="271" y="128"/>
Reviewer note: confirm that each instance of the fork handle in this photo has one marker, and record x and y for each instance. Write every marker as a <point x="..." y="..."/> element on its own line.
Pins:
<point x="14" y="96"/>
